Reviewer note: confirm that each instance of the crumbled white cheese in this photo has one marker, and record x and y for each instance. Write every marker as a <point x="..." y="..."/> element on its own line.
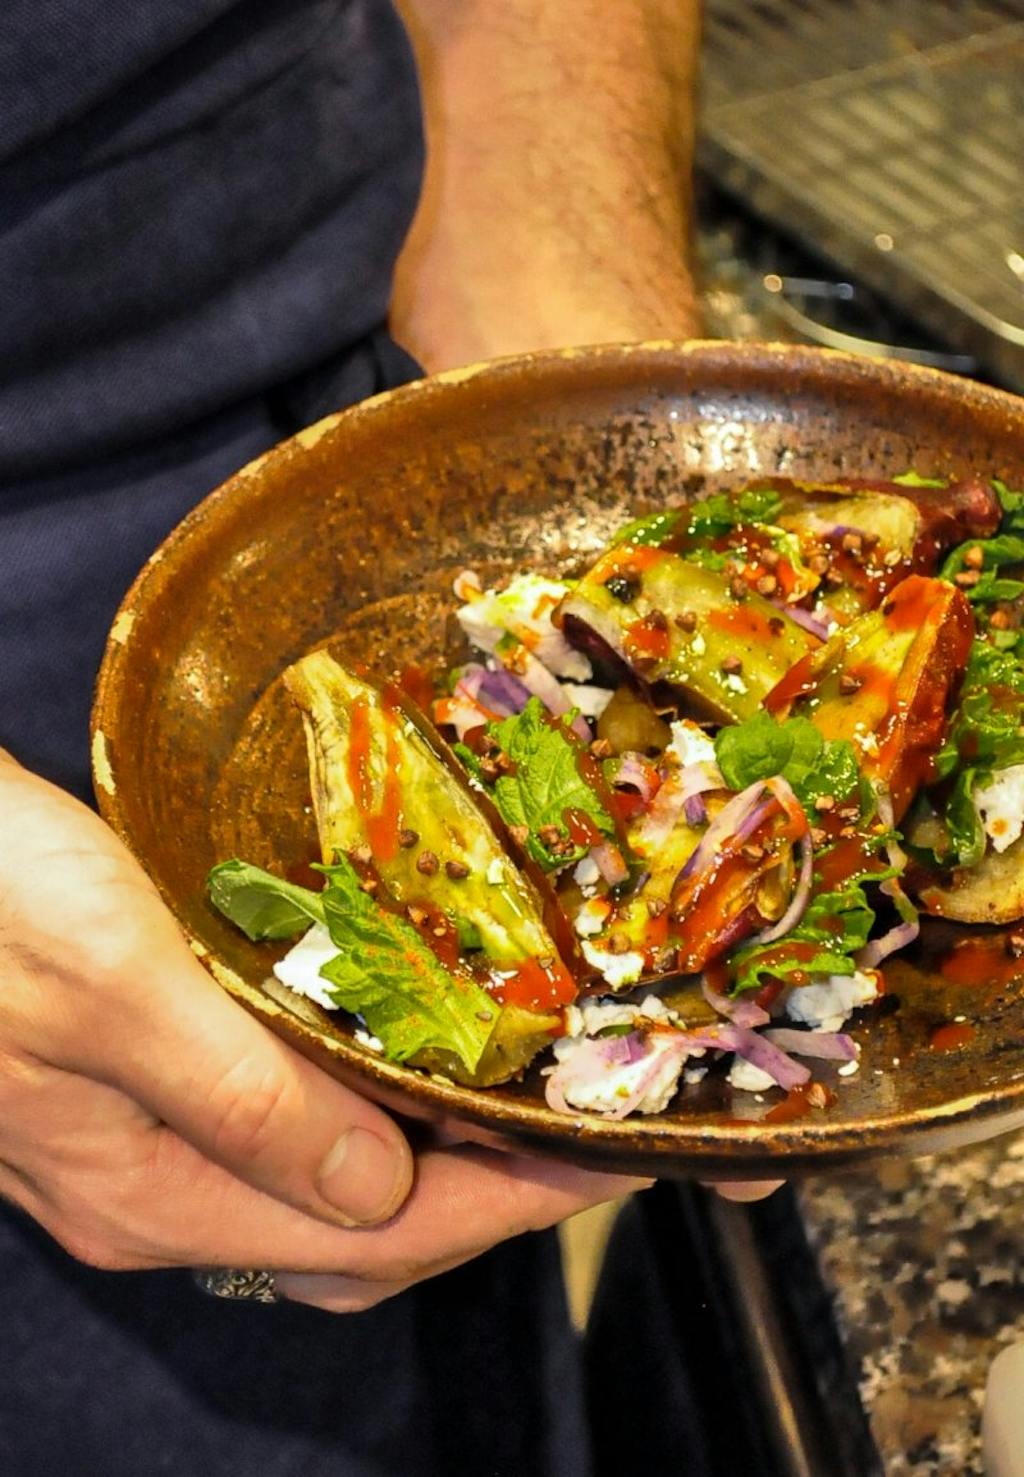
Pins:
<point x="690" y="744"/>
<point x="748" y="1078"/>
<point x="827" y="1004"/>
<point x="590" y="700"/>
<point x="616" y="969"/>
<point x="735" y="683"/>
<point x="300" y="967"/>
<point x="366" y="1038"/>
<point x="495" y="873"/>
<point x="524" y="609"/>
<point x="593" y="1014"/>
<point x="659" y="1069"/>
<point x="693" y="1075"/>
<point x="592" y="917"/>
<point x="698" y="646"/>
<point x="1001" y="806"/>
<point x="586" y="872"/>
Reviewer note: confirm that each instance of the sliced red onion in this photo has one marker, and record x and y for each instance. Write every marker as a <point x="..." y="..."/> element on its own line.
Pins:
<point x="535" y="676"/>
<point x="804" y="618"/>
<point x="830" y="1046"/>
<point x="503" y="691"/>
<point x="695" y="810"/>
<point x="610" y="863"/>
<point x="898" y="937"/>
<point x="593" y="1059"/>
<point x="753" y="1048"/>
<point x="670" y="802"/>
<point x="739" y="818"/>
<point x="461" y="712"/>
<point x="469" y="679"/>
<point x="799" y="898"/>
<point x="639" y="773"/>
<point x="742" y="1011"/>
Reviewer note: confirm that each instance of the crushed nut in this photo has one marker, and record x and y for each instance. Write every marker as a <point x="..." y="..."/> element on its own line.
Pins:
<point x="456" y="870"/>
<point x="849" y="684"/>
<point x="601" y="749"/>
<point x="1000" y="620"/>
<point x="520" y="834"/>
<point x="852" y="542"/>
<point x="891" y="558"/>
<point x="408" y="838"/>
<point x="849" y="812"/>
<point x="968" y="578"/>
<point x="686" y="620"/>
<point x="752" y="852"/>
<point x="732" y="665"/>
<point x="428" y="864"/>
<point x="363" y="855"/>
<point x="776" y="625"/>
<point x="416" y="915"/>
<point x="826" y="802"/>
<point x="737" y="588"/>
<point x="549" y="835"/>
<point x="975" y="557"/>
<point x="617" y="943"/>
<point x="817" y="1096"/>
<point x="767" y="585"/>
<point x="657" y="619"/>
<point x="848" y="831"/>
<point x="819" y="564"/>
<point x="818" y="836"/>
<point x="1015" y="945"/>
<point x="770" y="558"/>
<point x="369" y="884"/>
<point x="489" y="770"/>
<point x="440" y="931"/>
<point x="655" y="907"/>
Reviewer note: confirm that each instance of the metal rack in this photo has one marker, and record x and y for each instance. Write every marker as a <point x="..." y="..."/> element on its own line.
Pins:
<point x="890" y="133"/>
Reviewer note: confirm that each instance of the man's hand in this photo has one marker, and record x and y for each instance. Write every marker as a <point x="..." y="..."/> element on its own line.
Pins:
<point x="147" y="1121"/>
<point x="555" y="209"/>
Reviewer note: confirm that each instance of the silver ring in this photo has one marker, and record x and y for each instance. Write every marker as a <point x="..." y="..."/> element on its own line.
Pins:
<point x="249" y="1284"/>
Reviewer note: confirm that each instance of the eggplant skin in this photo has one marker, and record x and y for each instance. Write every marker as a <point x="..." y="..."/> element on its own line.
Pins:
<point x="991" y="892"/>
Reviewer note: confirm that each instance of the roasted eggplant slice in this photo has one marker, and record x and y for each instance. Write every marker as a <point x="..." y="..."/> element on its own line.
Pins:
<point x="887" y="682"/>
<point x="648" y="612"/>
<point x="991" y="892"/>
<point x="385" y="796"/>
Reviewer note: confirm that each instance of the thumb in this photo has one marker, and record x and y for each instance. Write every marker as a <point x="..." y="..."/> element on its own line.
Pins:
<point x="246" y="1100"/>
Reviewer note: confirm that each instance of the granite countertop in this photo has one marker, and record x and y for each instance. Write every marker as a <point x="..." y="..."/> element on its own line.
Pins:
<point x="923" y="1259"/>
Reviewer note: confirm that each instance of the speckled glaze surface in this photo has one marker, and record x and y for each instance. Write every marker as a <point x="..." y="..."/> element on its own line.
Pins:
<point x="351" y="533"/>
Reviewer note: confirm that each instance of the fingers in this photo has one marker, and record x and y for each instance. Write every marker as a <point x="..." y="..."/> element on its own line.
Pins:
<point x="744" y="1191"/>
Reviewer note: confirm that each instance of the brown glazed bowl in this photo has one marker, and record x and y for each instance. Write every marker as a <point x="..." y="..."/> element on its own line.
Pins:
<point x="352" y="531"/>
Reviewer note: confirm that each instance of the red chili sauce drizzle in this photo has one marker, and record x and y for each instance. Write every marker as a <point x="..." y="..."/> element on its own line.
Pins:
<point x="743" y="623"/>
<point x="797" y="1102"/>
<point x="536" y="985"/>
<point x="980" y="962"/>
<point x="952" y="1036"/>
<point x="648" y="638"/>
<point x="384" y="823"/>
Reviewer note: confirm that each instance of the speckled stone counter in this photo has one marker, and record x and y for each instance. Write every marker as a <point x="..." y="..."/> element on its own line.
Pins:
<point x="924" y="1261"/>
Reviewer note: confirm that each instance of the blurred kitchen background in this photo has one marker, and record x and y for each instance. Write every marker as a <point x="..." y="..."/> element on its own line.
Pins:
<point x="860" y="186"/>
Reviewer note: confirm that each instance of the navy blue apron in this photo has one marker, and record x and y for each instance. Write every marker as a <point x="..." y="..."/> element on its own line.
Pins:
<point x="200" y="207"/>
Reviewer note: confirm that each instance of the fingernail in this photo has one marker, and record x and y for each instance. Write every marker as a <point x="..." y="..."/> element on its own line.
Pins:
<point x="362" y="1177"/>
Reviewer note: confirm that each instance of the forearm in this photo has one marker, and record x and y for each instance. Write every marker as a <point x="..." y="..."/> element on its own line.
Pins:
<point x="555" y="207"/>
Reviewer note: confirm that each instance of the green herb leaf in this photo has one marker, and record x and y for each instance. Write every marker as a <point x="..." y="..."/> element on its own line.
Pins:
<point x="966" y="832"/>
<point x="837" y="923"/>
<point x="261" y="905"/>
<point x="544" y="783"/>
<point x="388" y="975"/>
<point x="712" y="516"/>
<point x="1012" y="504"/>
<point x="654" y="529"/>
<point x="762" y="747"/>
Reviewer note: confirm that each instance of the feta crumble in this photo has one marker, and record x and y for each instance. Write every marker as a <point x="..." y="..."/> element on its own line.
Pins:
<point x="300" y="967"/>
<point x="748" y="1078"/>
<point x="1001" y="806"/>
<point x="690" y="744"/>
<point x="827" y="1004"/>
<point x="524" y="609"/>
<point x="616" y="969"/>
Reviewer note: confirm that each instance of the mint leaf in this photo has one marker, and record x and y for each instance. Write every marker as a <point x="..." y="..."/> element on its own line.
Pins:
<point x="261" y="905"/>
<point x="388" y="975"/>
<point x="1012" y="504"/>
<point x="761" y="747"/>
<point x="544" y="781"/>
<point x="963" y="823"/>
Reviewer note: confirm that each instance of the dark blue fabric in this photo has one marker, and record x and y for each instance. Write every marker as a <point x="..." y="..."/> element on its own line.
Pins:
<point x="200" y="206"/>
<point x="198" y="199"/>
